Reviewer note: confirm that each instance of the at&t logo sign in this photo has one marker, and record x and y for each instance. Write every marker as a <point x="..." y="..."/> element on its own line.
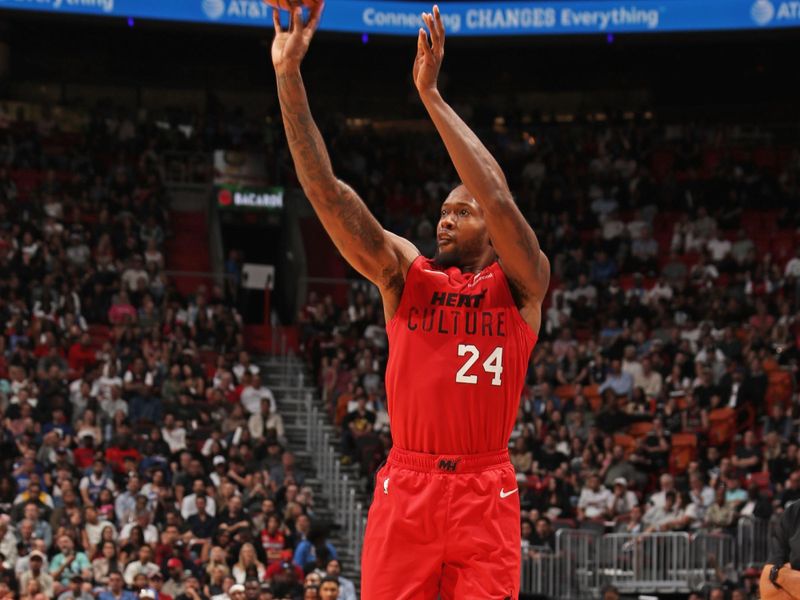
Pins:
<point x="214" y="9"/>
<point x="762" y="12"/>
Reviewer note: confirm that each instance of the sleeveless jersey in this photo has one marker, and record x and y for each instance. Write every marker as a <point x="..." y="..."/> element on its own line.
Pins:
<point x="458" y="354"/>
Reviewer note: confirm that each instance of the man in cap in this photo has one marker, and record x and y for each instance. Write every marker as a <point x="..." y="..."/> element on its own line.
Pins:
<point x="175" y="585"/>
<point x="622" y="499"/>
<point x="236" y="592"/>
<point x="156" y="584"/>
<point x="37" y="573"/>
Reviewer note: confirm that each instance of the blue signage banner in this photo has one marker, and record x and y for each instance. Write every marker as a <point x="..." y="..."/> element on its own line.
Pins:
<point x="461" y="18"/>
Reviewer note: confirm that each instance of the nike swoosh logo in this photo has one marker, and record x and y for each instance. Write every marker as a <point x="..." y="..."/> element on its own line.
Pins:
<point x="504" y="494"/>
<point x="386" y="486"/>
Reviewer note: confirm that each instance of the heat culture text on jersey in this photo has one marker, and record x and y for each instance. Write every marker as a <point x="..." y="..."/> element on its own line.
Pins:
<point x="443" y="316"/>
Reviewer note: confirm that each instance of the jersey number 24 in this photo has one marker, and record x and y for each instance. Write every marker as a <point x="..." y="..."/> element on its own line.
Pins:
<point x="493" y="364"/>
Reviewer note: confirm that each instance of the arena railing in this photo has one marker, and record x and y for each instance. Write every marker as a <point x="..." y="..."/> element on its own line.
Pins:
<point x="752" y="540"/>
<point x="539" y="572"/>
<point x="712" y="559"/>
<point x="337" y="487"/>
<point x="585" y="561"/>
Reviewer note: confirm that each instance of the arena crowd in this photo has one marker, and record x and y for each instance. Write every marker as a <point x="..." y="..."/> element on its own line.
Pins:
<point x="141" y="453"/>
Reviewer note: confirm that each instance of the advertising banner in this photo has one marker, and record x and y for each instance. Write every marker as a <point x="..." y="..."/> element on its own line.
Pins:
<point x="461" y="18"/>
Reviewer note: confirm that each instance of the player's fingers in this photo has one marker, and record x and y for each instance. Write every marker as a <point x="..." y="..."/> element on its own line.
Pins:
<point x="276" y="20"/>
<point x="422" y="43"/>
<point x="437" y="17"/>
<point x="426" y="19"/>
<point x="316" y="13"/>
<point x="435" y="42"/>
<point x="297" y="14"/>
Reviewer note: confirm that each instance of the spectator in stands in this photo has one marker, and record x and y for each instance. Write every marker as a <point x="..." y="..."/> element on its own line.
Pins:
<point x="622" y="499"/>
<point x="67" y="564"/>
<point x="620" y="382"/>
<point x="748" y="456"/>
<point x="329" y="588"/>
<point x="115" y="589"/>
<point x="594" y="499"/>
<point x="266" y="423"/>
<point x="721" y="514"/>
<point x="38" y="575"/>
<point x="347" y="590"/>
<point x="253" y="395"/>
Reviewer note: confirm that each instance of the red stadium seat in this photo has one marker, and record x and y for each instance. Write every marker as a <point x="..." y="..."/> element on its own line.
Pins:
<point x="722" y="426"/>
<point x="640" y="429"/>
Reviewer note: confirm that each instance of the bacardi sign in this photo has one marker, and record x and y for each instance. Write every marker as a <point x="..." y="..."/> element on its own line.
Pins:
<point x="269" y="198"/>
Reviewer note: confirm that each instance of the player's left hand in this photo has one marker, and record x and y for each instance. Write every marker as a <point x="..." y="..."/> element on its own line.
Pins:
<point x="429" y="52"/>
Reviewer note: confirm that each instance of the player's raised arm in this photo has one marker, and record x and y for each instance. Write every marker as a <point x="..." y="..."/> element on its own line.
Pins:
<point x="380" y="256"/>
<point x="513" y="239"/>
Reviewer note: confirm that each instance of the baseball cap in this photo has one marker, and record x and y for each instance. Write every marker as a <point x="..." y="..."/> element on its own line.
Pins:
<point x="36" y="554"/>
<point x="236" y="587"/>
<point x="173" y="563"/>
<point x="147" y="593"/>
<point x="621" y="481"/>
<point x="219" y="460"/>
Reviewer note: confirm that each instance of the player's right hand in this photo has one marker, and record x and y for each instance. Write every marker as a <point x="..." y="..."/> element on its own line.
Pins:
<point x="290" y="46"/>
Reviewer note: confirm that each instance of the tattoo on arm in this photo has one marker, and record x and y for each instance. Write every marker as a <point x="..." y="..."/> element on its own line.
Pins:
<point x="353" y="229"/>
<point x="305" y="141"/>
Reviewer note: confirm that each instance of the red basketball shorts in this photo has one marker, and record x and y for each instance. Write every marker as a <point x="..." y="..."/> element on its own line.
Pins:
<point x="443" y="527"/>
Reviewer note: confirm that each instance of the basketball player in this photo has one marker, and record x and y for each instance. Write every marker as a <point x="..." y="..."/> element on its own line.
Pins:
<point x="445" y="519"/>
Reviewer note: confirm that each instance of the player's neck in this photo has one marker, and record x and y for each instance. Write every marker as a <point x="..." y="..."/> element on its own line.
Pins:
<point x="479" y="263"/>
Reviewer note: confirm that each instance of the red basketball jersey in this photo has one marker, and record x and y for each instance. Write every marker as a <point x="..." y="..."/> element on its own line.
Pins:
<point x="458" y="354"/>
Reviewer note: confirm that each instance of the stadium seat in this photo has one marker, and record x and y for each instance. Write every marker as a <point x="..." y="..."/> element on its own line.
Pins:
<point x="567" y="392"/>
<point x="626" y="441"/>
<point x="592" y="395"/>
<point x="761" y="479"/>
<point x="640" y="429"/>
<point x="722" y="426"/>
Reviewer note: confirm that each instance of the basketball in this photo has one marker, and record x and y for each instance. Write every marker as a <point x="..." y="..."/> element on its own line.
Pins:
<point x="290" y="4"/>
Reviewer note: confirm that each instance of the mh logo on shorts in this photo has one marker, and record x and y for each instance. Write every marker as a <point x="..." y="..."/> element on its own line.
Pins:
<point x="448" y="465"/>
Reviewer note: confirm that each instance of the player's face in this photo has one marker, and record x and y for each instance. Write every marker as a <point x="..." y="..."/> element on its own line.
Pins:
<point x="461" y="235"/>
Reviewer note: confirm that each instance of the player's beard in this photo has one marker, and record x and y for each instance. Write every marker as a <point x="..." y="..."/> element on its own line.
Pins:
<point x="447" y="259"/>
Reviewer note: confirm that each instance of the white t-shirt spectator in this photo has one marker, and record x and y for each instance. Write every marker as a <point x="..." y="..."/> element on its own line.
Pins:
<point x="95" y="530"/>
<point x="719" y="248"/>
<point x="793" y="268"/>
<point x="131" y="277"/>
<point x="251" y="399"/>
<point x="136" y="567"/>
<point x="102" y="386"/>
<point x="594" y="503"/>
<point x="175" y="438"/>
<point x="150" y="532"/>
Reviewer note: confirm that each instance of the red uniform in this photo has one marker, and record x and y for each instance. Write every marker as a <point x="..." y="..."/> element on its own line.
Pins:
<point x="444" y="521"/>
